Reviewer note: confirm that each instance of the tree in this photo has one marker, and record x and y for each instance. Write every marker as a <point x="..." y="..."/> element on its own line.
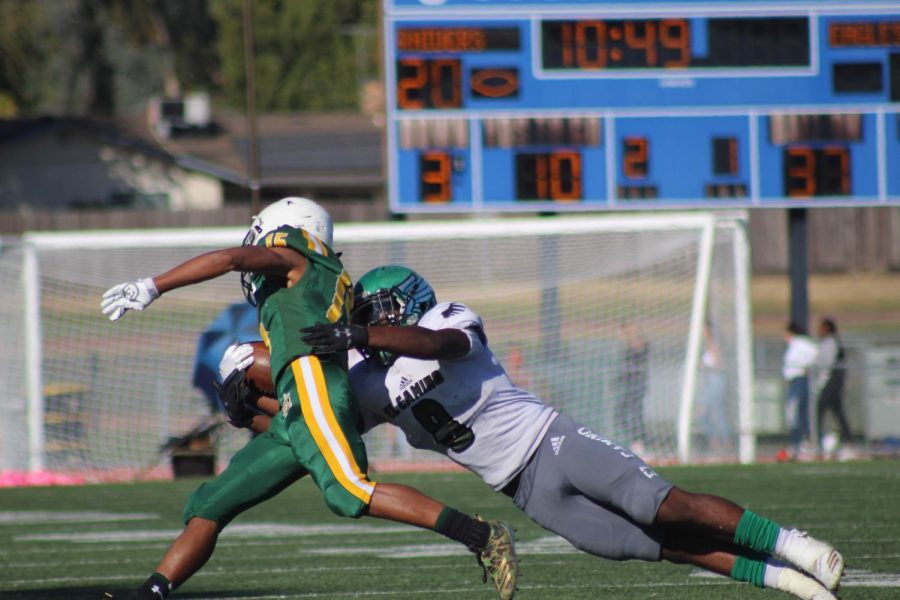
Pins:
<point x="24" y="49"/>
<point x="305" y="60"/>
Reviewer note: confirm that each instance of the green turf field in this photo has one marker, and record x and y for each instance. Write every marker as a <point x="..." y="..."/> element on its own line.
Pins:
<point x="75" y="542"/>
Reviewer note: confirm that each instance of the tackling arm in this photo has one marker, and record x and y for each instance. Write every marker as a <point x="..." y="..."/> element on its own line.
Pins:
<point x="419" y="342"/>
<point x="411" y="340"/>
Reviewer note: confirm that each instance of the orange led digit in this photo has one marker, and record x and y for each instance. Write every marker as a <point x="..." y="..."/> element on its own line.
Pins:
<point x="732" y="156"/>
<point x="583" y="58"/>
<point x="410" y="87"/>
<point x="567" y="45"/>
<point x="435" y="174"/>
<point x="801" y="172"/>
<point x="541" y="182"/>
<point x="646" y="42"/>
<point x="843" y="157"/>
<point x="634" y="162"/>
<point x="565" y="176"/>
<point x="446" y="96"/>
<point x="675" y="35"/>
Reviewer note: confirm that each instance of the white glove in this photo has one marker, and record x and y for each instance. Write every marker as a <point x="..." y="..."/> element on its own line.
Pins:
<point x="235" y="358"/>
<point x="134" y="295"/>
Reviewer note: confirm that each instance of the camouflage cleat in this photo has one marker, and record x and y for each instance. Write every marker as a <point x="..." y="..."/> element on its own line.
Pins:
<point x="498" y="559"/>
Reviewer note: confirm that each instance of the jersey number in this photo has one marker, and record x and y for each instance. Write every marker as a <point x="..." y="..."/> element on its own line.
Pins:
<point x="342" y="303"/>
<point x="446" y="431"/>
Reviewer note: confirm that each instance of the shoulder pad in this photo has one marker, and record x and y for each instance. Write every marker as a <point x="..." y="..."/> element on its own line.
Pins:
<point x="451" y="314"/>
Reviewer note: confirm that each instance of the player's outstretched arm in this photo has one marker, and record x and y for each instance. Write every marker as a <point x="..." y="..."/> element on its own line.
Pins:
<point x="253" y="259"/>
<point x="138" y="295"/>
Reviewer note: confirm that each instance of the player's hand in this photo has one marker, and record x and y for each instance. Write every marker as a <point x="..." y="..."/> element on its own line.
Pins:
<point x="327" y="338"/>
<point x="237" y="357"/>
<point x="134" y="295"/>
<point x="238" y="399"/>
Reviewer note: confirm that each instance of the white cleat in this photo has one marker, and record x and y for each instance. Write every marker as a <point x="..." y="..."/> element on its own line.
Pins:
<point x="796" y="583"/>
<point x="816" y="558"/>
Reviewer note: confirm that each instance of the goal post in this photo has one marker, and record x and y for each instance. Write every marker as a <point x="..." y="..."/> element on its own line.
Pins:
<point x="602" y="316"/>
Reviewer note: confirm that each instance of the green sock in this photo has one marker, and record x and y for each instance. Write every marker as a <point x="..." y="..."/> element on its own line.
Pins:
<point x="750" y="570"/>
<point x="756" y="532"/>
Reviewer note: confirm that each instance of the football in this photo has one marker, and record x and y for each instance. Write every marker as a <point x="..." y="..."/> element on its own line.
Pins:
<point x="259" y="374"/>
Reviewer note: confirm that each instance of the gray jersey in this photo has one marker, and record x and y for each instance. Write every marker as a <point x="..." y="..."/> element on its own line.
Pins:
<point x="466" y="408"/>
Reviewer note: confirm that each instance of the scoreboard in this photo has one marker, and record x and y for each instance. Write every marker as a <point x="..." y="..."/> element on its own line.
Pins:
<point x="551" y="105"/>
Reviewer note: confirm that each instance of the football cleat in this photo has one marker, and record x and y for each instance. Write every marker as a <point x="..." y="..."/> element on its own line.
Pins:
<point x="796" y="583"/>
<point x="498" y="559"/>
<point x="816" y="558"/>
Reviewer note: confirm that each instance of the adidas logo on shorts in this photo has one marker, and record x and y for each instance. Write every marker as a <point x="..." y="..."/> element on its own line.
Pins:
<point x="556" y="444"/>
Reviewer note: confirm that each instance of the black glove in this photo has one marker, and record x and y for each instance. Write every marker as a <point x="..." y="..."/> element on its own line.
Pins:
<point x="238" y="398"/>
<point x="325" y="339"/>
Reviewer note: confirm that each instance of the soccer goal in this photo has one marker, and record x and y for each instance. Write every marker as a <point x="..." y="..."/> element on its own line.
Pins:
<point x="602" y="316"/>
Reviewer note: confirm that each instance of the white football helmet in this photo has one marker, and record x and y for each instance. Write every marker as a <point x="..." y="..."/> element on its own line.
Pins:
<point x="298" y="212"/>
<point x="295" y="211"/>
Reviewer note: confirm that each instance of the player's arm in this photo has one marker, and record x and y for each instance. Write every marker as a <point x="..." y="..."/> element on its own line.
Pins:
<point x="245" y="406"/>
<point x="269" y="407"/>
<point x="279" y="262"/>
<point x="412" y="340"/>
<point x="419" y="342"/>
<point x="138" y="295"/>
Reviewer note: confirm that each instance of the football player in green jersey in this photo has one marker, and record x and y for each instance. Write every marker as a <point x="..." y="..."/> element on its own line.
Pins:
<point x="296" y="280"/>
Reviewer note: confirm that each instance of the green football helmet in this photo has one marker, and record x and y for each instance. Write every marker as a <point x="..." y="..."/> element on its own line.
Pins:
<point x="390" y="295"/>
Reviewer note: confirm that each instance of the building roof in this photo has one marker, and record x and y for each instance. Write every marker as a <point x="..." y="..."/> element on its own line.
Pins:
<point x="295" y="150"/>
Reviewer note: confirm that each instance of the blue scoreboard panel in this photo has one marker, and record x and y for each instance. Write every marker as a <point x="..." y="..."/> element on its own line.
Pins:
<point x="549" y="105"/>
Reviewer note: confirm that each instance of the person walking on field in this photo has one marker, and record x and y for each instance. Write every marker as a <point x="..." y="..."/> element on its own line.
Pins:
<point x="799" y="358"/>
<point x="632" y="383"/>
<point x="832" y="370"/>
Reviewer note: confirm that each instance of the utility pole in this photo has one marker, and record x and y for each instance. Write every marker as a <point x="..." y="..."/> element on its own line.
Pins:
<point x="252" y="141"/>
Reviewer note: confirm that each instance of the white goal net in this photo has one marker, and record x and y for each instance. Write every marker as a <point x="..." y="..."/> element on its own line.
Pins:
<point x="601" y="316"/>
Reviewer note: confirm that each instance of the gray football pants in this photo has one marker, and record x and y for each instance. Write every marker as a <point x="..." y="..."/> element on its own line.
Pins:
<point x="594" y="493"/>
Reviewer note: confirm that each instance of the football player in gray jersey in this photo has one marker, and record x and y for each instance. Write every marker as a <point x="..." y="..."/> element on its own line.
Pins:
<point x="428" y="369"/>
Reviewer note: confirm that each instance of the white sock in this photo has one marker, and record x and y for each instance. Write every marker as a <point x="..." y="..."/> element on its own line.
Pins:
<point x="773" y="570"/>
<point x="784" y="538"/>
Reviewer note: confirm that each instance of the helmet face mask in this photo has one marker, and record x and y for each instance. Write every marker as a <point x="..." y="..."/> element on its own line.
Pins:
<point x="393" y="296"/>
<point x="297" y="212"/>
<point x="381" y="308"/>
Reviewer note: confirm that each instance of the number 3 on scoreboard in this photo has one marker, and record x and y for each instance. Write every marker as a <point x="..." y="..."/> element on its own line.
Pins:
<point x="435" y="168"/>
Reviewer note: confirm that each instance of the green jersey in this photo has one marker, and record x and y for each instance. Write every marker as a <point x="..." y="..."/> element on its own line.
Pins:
<point x="324" y="294"/>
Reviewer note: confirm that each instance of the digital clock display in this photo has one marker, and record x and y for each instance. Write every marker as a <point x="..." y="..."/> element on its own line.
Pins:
<point x="668" y="43"/>
<point x="580" y="105"/>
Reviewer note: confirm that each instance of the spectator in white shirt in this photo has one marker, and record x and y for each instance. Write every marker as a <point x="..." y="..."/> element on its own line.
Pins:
<point x="799" y="358"/>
